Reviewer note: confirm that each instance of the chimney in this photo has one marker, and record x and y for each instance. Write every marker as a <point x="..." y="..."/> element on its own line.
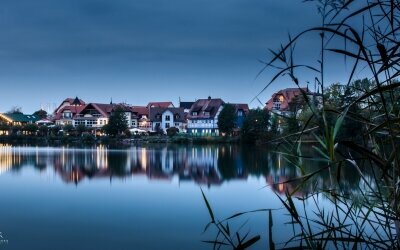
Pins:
<point x="209" y="97"/>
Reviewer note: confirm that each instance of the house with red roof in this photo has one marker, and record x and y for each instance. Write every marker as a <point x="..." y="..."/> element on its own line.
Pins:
<point x="142" y="117"/>
<point x="96" y="115"/>
<point x="280" y="101"/>
<point x="67" y="110"/>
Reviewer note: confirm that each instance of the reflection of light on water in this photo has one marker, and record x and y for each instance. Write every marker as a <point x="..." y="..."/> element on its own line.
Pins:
<point x="8" y="158"/>
<point x="144" y="159"/>
<point x="101" y="157"/>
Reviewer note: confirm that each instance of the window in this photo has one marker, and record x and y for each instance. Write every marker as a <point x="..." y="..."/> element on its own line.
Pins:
<point x="240" y="113"/>
<point x="194" y="113"/>
<point x="206" y="113"/>
<point x="167" y="125"/>
<point x="177" y="117"/>
<point x="168" y="118"/>
<point x="176" y="124"/>
<point x="276" y="106"/>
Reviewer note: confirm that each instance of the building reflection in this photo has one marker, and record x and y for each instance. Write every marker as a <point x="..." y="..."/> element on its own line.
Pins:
<point x="205" y="165"/>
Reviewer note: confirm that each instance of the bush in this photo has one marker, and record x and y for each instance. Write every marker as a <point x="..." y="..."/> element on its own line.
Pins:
<point x="172" y="131"/>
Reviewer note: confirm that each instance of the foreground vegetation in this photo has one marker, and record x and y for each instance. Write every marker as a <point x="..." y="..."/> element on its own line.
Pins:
<point x="356" y="126"/>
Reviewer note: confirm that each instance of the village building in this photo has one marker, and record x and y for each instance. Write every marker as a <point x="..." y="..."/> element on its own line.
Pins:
<point x="283" y="101"/>
<point x="202" y="119"/>
<point x="96" y="115"/>
<point x="66" y="112"/>
<point x="164" y="118"/>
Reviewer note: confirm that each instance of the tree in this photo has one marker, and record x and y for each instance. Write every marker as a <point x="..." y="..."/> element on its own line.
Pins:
<point x="80" y="129"/>
<point x="42" y="114"/>
<point x="226" y="119"/>
<point x="172" y="131"/>
<point x="117" y="123"/>
<point x="30" y="128"/>
<point x="43" y="130"/>
<point x="68" y="128"/>
<point x="255" y="125"/>
<point x="55" y="130"/>
<point x="15" y="110"/>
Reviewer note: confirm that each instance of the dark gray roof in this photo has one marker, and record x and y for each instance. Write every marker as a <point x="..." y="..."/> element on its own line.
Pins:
<point x="156" y="113"/>
<point x="186" y="105"/>
<point x="205" y="105"/>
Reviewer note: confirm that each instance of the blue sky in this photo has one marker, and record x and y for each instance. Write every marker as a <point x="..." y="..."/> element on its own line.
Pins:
<point x="145" y="50"/>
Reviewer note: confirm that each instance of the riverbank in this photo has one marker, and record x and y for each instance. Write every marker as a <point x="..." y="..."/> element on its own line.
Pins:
<point x="105" y="140"/>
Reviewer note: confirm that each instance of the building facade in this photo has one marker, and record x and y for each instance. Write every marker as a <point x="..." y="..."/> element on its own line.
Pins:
<point x="164" y="118"/>
<point x="202" y="119"/>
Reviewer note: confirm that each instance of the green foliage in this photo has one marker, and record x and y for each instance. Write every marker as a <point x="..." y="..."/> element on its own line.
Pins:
<point x="42" y="114"/>
<point x="255" y="126"/>
<point x="80" y="129"/>
<point x="30" y="128"/>
<point x="43" y="130"/>
<point x="117" y="123"/>
<point x="55" y="130"/>
<point x="226" y="119"/>
<point x="68" y="129"/>
<point x="172" y="131"/>
<point x="290" y="124"/>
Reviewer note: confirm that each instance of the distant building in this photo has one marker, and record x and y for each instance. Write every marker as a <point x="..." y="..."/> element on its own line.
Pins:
<point x="18" y="119"/>
<point x="67" y="110"/>
<point x="165" y="118"/>
<point x="96" y="115"/>
<point x="160" y="105"/>
<point x="241" y="112"/>
<point x="186" y="106"/>
<point x="203" y="117"/>
<point x="142" y="117"/>
<point x="280" y="101"/>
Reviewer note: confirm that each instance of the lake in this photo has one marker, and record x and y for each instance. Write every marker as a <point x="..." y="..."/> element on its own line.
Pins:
<point x="143" y="197"/>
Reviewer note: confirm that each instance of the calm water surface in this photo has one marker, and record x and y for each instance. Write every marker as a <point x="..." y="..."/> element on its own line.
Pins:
<point x="137" y="198"/>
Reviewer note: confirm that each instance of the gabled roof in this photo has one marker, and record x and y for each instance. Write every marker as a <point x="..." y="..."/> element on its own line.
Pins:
<point x="73" y="109"/>
<point x="19" y="117"/>
<point x="105" y="109"/>
<point x="77" y="102"/>
<point x="287" y="95"/>
<point x="70" y="101"/>
<point x="155" y="114"/>
<point x="186" y="105"/>
<point x="205" y="105"/>
<point x="140" y="110"/>
<point x="160" y="105"/>
<point x="241" y="106"/>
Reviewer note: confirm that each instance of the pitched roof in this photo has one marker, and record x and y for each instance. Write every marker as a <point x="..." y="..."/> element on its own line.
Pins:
<point x="140" y="110"/>
<point x="106" y="109"/>
<point x="160" y="105"/>
<point x="19" y="117"/>
<point x="73" y="109"/>
<point x="186" y="105"/>
<point x="155" y="114"/>
<point x="205" y="105"/>
<point x="77" y="101"/>
<point x="70" y="101"/>
<point x="241" y="106"/>
<point x="287" y="95"/>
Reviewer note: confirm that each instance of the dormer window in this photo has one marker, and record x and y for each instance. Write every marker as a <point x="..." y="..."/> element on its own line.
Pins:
<point x="206" y="113"/>
<point x="177" y="116"/>
<point x="158" y="116"/>
<point x="194" y="113"/>
<point x="240" y="113"/>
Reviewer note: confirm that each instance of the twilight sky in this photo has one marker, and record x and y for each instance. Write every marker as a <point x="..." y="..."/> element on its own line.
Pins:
<point x="144" y="50"/>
